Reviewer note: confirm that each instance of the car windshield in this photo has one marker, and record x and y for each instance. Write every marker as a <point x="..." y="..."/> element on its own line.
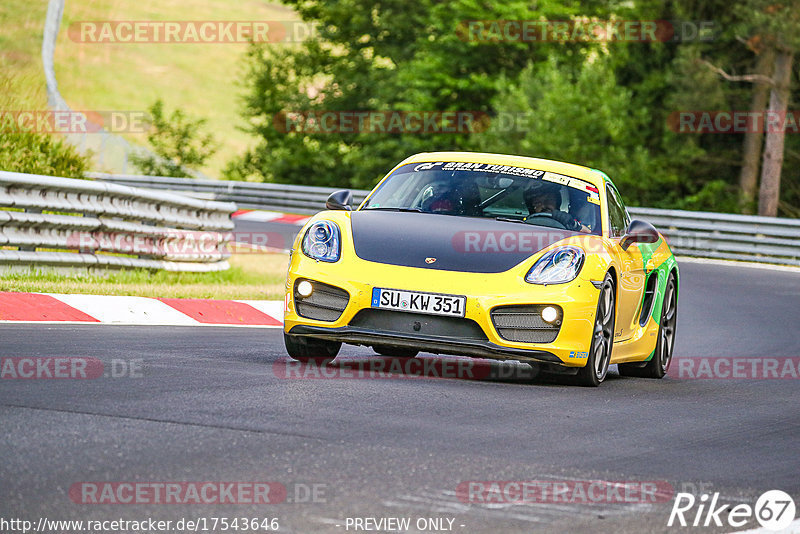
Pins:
<point x="502" y="192"/>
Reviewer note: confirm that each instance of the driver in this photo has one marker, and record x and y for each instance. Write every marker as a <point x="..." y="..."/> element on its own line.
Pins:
<point x="454" y="199"/>
<point x="443" y="199"/>
<point x="545" y="200"/>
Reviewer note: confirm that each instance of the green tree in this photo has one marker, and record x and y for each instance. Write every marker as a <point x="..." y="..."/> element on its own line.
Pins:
<point x="742" y="57"/>
<point x="609" y="103"/>
<point x="583" y="116"/>
<point x="670" y="77"/>
<point x="177" y="142"/>
<point x="777" y="26"/>
<point x="391" y="56"/>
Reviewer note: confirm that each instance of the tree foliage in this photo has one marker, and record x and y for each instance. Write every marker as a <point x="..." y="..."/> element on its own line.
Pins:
<point x="602" y="104"/>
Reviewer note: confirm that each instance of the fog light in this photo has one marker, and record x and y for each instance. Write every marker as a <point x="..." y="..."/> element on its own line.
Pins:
<point x="549" y="314"/>
<point x="304" y="288"/>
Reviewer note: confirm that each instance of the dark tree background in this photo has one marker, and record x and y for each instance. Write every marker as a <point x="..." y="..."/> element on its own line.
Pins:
<point x="602" y="104"/>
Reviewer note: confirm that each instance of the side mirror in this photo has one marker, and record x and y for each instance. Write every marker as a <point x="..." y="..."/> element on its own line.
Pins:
<point x="340" y="200"/>
<point x="638" y="232"/>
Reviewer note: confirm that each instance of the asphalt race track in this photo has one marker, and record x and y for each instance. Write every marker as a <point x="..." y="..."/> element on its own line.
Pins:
<point x="208" y="406"/>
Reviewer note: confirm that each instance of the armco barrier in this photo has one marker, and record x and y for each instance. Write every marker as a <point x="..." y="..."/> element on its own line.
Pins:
<point x="267" y="196"/>
<point x="63" y="222"/>
<point x="690" y="233"/>
<point x="726" y="236"/>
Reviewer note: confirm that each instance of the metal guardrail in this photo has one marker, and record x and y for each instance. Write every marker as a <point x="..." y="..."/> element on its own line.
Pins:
<point x="252" y="195"/>
<point x="63" y="222"/>
<point x="690" y="233"/>
<point x="727" y="236"/>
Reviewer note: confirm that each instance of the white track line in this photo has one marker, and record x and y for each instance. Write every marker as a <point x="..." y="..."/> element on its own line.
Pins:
<point x="731" y="263"/>
<point x="273" y="308"/>
<point x="126" y="310"/>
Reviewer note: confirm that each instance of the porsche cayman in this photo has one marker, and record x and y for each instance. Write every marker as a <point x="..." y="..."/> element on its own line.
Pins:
<point x="487" y="256"/>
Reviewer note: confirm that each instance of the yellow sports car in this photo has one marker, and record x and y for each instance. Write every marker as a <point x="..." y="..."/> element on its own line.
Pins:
<point x="489" y="256"/>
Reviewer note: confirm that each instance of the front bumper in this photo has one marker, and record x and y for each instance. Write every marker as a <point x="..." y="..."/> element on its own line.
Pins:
<point x="578" y="300"/>
<point x="433" y="344"/>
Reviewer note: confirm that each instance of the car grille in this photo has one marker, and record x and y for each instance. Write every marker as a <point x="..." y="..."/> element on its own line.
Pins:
<point x="326" y="303"/>
<point x="524" y="324"/>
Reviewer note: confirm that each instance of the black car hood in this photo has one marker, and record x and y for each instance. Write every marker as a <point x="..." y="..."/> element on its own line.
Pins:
<point x="447" y="243"/>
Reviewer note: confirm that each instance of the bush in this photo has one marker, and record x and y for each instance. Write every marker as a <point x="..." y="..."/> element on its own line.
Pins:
<point x="177" y="143"/>
<point x="32" y="152"/>
<point x="36" y="153"/>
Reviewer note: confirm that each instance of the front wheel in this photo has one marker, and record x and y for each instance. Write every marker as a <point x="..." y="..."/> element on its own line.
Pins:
<point x="596" y="368"/>
<point x="662" y="356"/>
<point x="306" y="349"/>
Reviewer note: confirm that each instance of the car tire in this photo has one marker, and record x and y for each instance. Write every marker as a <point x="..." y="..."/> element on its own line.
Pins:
<point x="307" y="349"/>
<point x="394" y="352"/>
<point x="596" y="368"/>
<point x="658" y="365"/>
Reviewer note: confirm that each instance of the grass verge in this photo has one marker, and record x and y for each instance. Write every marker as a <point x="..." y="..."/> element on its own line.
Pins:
<point x="200" y="78"/>
<point x="251" y="276"/>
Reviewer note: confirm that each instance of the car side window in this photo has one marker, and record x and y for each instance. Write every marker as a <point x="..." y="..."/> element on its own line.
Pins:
<point x="617" y="214"/>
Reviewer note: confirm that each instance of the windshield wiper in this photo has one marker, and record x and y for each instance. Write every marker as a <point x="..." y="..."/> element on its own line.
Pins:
<point x="510" y="219"/>
<point x="415" y="210"/>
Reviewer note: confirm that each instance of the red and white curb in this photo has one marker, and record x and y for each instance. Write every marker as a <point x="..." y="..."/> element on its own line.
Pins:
<point x="269" y="216"/>
<point x="105" y="309"/>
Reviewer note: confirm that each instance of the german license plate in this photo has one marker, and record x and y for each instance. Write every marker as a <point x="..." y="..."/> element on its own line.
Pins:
<point x="414" y="301"/>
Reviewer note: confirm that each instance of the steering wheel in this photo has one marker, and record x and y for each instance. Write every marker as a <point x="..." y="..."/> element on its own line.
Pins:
<point x="545" y="219"/>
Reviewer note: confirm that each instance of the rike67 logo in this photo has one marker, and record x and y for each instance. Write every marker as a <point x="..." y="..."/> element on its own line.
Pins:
<point x="774" y="510"/>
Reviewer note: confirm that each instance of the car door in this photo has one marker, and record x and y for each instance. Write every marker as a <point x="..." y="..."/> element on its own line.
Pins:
<point x="631" y="275"/>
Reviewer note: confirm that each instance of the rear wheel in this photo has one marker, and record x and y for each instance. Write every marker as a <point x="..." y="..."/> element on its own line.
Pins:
<point x="306" y="349"/>
<point x="662" y="356"/>
<point x="394" y="352"/>
<point x="596" y="367"/>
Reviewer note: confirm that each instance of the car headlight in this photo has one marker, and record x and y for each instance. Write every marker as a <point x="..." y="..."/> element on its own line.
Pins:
<point x="557" y="266"/>
<point x="322" y="241"/>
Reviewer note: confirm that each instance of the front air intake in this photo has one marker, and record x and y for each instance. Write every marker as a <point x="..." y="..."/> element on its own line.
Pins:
<point x="524" y="324"/>
<point x="325" y="303"/>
